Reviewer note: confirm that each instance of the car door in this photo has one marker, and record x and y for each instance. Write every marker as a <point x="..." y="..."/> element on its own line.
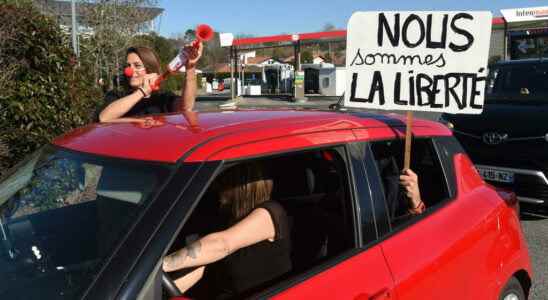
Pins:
<point x="358" y="270"/>
<point x="444" y="252"/>
<point x="362" y="273"/>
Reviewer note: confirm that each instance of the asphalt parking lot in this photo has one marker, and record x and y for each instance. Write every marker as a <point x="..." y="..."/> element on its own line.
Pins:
<point x="534" y="223"/>
<point x="535" y="227"/>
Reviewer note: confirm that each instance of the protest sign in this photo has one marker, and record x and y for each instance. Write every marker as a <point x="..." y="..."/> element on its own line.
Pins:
<point x="417" y="61"/>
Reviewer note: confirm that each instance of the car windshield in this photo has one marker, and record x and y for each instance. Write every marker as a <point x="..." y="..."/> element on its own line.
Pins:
<point x="62" y="213"/>
<point x="519" y="82"/>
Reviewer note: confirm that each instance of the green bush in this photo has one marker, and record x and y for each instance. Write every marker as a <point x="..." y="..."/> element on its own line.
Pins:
<point x="174" y="82"/>
<point x="51" y="92"/>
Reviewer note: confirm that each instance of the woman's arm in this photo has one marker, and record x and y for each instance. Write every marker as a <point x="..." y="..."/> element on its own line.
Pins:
<point x="189" y="90"/>
<point x="256" y="227"/>
<point x="120" y="107"/>
<point x="190" y="279"/>
<point x="410" y="181"/>
<point x="186" y="103"/>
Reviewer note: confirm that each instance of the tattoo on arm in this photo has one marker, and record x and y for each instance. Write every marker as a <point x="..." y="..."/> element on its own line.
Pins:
<point x="193" y="249"/>
<point x="177" y="260"/>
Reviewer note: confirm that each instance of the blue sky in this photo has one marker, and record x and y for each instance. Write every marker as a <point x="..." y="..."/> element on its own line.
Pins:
<point x="261" y="17"/>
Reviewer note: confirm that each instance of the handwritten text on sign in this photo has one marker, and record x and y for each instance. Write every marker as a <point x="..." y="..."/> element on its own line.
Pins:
<point x="425" y="61"/>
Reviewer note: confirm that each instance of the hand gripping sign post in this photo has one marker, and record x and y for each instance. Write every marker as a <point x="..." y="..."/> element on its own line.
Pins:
<point x="417" y="61"/>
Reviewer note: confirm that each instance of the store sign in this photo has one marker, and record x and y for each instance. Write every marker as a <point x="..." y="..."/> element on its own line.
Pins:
<point x="525" y="14"/>
<point x="299" y="78"/>
<point x="417" y="61"/>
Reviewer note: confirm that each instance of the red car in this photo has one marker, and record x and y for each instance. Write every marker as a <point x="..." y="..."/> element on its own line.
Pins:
<point x="92" y="215"/>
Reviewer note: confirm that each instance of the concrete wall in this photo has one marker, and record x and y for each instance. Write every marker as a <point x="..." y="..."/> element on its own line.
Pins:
<point x="341" y="81"/>
<point x="332" y="81"/>
<point x="497" y="43"/>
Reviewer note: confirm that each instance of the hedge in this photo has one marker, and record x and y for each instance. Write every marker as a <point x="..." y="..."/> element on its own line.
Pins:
<point x="51" y="93"/>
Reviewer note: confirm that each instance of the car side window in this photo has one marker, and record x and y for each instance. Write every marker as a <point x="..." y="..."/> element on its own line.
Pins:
<point x="313" y="189"/>
<point x="425" y="162"/>
<point x="528" y="80"/>
<point x="492" y="81"/>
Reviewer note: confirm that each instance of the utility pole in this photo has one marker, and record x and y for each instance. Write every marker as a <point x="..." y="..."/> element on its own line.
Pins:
<point x="74" y="30"/>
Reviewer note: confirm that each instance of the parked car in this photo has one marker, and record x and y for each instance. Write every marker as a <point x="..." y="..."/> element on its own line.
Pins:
<point x="92" y="215"/>
<point x="508" y="142"/>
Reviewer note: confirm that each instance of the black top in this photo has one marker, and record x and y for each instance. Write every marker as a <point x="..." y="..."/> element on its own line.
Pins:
<point x="160" y="102"/>
<point x="396" y="198"/>
<point x="253" y="268"/>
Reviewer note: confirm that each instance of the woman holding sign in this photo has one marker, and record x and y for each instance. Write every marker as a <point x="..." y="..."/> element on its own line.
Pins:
<point x="410" y="183"/>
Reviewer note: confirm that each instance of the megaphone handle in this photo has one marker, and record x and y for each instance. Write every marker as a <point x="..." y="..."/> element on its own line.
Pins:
<point x="156" y="85"/>
<point x="195" y="43"/>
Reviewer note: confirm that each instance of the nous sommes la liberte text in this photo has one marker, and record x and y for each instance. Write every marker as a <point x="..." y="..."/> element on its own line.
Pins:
<point x="462" y="88"/>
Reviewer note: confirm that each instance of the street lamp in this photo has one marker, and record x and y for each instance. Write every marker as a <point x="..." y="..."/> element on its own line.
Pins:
<point x="74" y="30"/>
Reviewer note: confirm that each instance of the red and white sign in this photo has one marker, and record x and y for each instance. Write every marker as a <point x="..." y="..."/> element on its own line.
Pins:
<point x="525" y="14"/>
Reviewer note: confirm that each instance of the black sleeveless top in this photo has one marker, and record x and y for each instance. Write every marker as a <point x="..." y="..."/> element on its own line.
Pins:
<point x="159" y="102"/>
<point x="255" y="267"/>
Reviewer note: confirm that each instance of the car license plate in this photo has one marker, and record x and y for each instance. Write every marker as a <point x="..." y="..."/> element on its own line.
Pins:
<point x="497" y="175"/>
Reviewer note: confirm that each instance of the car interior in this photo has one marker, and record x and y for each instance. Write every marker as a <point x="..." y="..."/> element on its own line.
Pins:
<point x="312" y="187"/>
<point x="66" y="240"/>
<point x="424" y="162"/>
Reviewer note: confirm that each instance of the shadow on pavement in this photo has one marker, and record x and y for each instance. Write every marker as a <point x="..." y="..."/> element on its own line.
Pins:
<point x="532" y="213"/>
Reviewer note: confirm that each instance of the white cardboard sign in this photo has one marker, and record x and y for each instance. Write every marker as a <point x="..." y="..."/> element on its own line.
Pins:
<point x="417" y="61"/>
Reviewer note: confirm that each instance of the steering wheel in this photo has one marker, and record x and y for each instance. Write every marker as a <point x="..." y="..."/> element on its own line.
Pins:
<point x="169" y="286"/>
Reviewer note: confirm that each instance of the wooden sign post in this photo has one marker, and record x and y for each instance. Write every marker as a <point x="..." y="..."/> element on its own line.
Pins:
<point x="408" y="137"/>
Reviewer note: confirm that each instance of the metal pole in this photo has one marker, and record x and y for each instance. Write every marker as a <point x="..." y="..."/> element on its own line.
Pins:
<point x="74" y="29"/>
<point x="278" y="81"/>
<point x="298" y="57"/>
<point x="236" y="72"/>
<point x="232" y="65"/>
<point x="243" y="78"/>
<point x="295" y="67"/>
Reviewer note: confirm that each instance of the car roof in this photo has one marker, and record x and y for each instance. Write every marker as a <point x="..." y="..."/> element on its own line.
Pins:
<point x="262" y="130"/>
<point x="527" y="61"/>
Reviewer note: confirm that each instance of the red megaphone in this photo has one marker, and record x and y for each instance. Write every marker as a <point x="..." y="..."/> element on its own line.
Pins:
<point x="204" y="33"/>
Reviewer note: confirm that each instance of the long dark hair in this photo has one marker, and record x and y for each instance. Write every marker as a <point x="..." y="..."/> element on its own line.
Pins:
<point x="149" y="58"/>
<point x="150" y="61"/>
<point x="243" y="187"/>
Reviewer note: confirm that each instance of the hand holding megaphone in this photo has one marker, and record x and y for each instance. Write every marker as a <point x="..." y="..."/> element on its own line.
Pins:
<point x="189" y="54"/>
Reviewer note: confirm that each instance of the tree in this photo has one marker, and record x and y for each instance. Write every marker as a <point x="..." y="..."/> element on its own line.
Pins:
<point x="113" y="25"/>
<point x="306" y="57"/>
<point x="165" y="48"/>
<point x="213" y="53"/>
<point x="8" y="63"/>
<point x="48" y="92"/>
<point x="329" y="27"/>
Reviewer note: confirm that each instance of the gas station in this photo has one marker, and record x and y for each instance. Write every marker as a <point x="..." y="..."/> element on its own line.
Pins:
<point x="519" y="34"/>
<point x="246" y="45"/>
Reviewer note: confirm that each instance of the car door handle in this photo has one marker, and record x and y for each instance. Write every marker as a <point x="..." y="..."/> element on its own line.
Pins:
<point x="382" y="294"/>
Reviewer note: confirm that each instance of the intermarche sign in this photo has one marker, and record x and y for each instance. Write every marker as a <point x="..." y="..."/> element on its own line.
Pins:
<point x="418" y="61"/>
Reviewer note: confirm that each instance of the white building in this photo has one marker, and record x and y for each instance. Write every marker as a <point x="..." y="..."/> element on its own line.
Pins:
<point x="323" y="78"/>
<point x="276" y="77"/>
